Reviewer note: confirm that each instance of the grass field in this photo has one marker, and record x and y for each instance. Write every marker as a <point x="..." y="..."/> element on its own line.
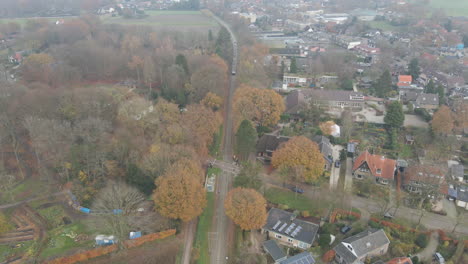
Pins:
<point x="204" y="226"/>
<point x="383" y="25"/>
<point x="188" y="19"/>
<point x="62" y="240"/>
<point x="296" y="202"/>
<point x="22" y="21"/>
<point x="451" y="7"/>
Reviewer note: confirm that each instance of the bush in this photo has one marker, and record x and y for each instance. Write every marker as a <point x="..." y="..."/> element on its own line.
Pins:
<point x="375" y="225"/>
<point x="421" y="240"/>
<point x="283" y="207"/>
<point x="415" y="260"/>
<point x="305" y="213"/>
<point x="327" y="228"/>
<point x="324" y="240"/>
<point x="423" y="114"/>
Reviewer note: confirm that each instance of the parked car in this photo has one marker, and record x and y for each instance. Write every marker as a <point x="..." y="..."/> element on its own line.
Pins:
<point x="345" y="229"/>
<point x="439" y="258"/>
<point x="297" y="190"/>
<point x="388" y="215"/>
<point x="337" y="164"/>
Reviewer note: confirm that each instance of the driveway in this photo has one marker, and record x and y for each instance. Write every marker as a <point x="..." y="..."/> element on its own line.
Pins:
<point x="428" y="252"/>
<point x="450" y="208"/>
<point x="335" y="172"/>
<point x="348" y="183"/>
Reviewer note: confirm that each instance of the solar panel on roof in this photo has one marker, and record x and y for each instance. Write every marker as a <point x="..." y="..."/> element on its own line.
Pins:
<point x="276" y="225"/>
<point x="282" y="227"/>
<point x="296" y="231"/>
<point x="290" y="228"/>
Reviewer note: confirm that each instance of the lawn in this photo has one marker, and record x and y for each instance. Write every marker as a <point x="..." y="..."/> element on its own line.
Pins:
<point x="291" y="200"/>
<point x="64" y="239"/>
<point x="167" y="19"/>
<point x="383" y="25"/>
<point x="6" y="251"/>
<point x="54" y="215"/>
<point x="204" y="226"/>
<point x="23" y="21"/>
<point x="24" y="190"/>
<point x="451" y="7"/>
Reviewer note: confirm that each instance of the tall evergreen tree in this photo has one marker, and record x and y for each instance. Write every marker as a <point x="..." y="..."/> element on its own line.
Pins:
<point x="395" y="116"/>
<point x="413" y="68"/>
<point x="430" y="87"/>
<point x="246" y="137"/>
<point x="293" y="67"/>
<point x="210" y="35"/>
<point x="384" y="84"/>
<point x="223" y="45"/>
<point x="182" y="62"/>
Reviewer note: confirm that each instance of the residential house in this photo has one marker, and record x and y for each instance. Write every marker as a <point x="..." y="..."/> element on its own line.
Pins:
<point x="295" y="80"/>
<point x="331" y="99"/>
<point x="427" y="101"/>
<point x="346" y="41"/>
<point x="285" y="228"/>
<point x="457" y="172"/>
<point x="267" y="144"/>
<point x="402" y="260"/>
<point x="326" y="149"/>
<point x="462" y="197"/>
<point x="367" y="244"/>
<point x="425" y="179"/>
<point x="301" y="258"/>
<point x="276" y="253"/>
<point x="380" y="169"/>
<point x="404" y="81"/>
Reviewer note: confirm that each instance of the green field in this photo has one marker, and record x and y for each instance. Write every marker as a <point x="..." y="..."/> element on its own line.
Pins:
<point x="383" y="25"/>
<point x="451" y="7"/>
<point x="22" y="21"/>
<point x="204" y="226"/>
<point x="167" y="19"/>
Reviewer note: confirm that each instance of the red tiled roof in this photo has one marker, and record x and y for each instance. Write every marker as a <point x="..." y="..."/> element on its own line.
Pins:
<point x="375" y="162"/>
<point x="427" y="174"/>
<point x="405" y="79"/>
<point x="403" y="260"/>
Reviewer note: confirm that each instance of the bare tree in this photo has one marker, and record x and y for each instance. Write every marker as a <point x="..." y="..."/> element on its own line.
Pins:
<point x="117" y="205"/>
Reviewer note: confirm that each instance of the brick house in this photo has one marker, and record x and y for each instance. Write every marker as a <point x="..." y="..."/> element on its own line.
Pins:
<point x="377" y="167"/>
<point x="420" y="178"/>
<point x="285" y="228"/>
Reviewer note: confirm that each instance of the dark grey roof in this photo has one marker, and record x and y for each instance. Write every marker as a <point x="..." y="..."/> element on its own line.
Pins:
<point x="298" y="98"/>
<point x="324" y="146"/>
<point x="410" y="95"/>
<point x="333" y="95"/>
<point x="294" y="101"/>
<point x="279" y="221"/>
<point x="462" y="193"/>
<point x="427" y="99"/>
<point x="458" y="171"/>
<point x="269" y="142"/>
<point x="301" y="258"/>
<point x="274" y="250"/>
<point x="361" y="244"/>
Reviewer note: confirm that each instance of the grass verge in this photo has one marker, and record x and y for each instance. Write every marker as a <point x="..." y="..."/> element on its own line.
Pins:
<point x="291" y="200"/>
<point x="204" y="226"/>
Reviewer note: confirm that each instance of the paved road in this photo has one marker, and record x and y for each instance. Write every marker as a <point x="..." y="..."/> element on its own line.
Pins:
<point x="335" y="172"/>
<point x="427" y="253"/>
<point x="219" y="244"/>
<point x="189" y="235"/>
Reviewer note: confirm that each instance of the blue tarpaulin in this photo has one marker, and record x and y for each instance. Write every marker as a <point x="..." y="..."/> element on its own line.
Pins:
<point x="134" y="235"/>
<point x="85" y="210"/>
<point x="117" y="211"/>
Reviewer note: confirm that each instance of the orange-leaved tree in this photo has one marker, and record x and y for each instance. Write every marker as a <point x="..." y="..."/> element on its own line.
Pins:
<point x="300" y="152"/>
<point x="179" y="193"/>
<point x="246" y="208"/>
<point x="212" y="101"/>
<point x="261" y="106"/>
<point x="442" y="122"/>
